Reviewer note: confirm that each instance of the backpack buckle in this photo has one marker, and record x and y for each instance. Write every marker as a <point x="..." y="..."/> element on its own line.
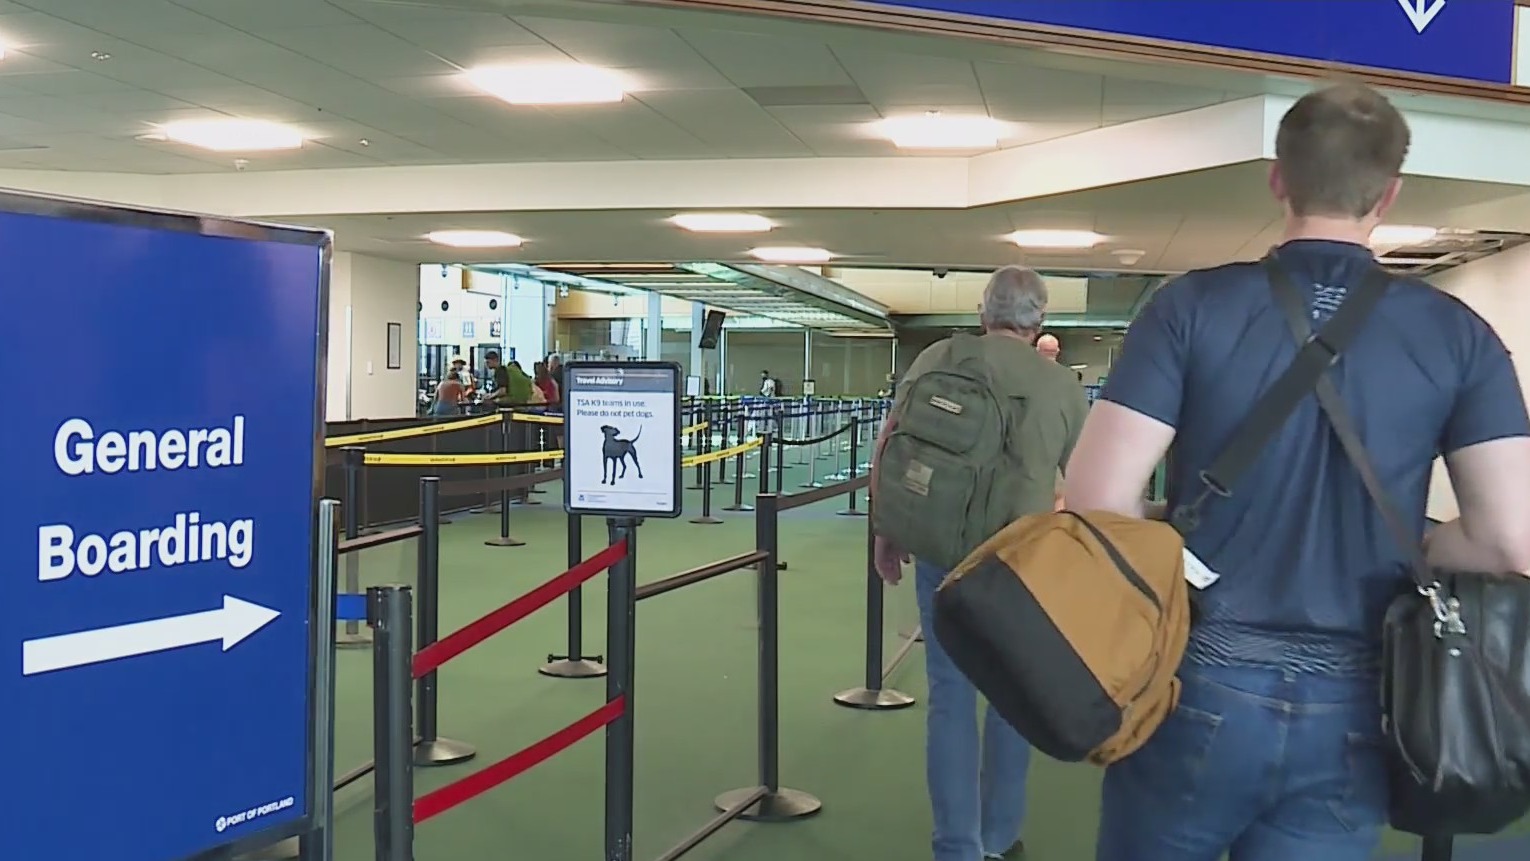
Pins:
<point x="1333" y="355"/>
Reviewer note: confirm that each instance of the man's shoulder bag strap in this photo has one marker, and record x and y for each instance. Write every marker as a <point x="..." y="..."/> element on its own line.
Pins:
<point x="1291" y="303"/>
<point x="1318" y="352"/>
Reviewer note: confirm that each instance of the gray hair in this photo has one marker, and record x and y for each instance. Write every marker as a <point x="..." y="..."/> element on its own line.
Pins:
<point x="1015" y="298"/>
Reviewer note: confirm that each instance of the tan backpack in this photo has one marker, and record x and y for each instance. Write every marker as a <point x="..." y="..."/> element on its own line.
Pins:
<point x="1073" y="625"/>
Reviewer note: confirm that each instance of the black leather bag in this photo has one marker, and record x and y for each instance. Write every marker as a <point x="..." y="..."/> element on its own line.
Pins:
<point x="1455" y="666"/>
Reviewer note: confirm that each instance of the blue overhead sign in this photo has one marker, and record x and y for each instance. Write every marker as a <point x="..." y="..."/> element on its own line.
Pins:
<point x="157" y="551"/>
<point x="1467" y="39"/>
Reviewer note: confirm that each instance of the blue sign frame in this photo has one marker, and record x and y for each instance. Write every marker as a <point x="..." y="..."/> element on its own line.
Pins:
<point x="163" y="690"/>
<point x="1471" y="40"/>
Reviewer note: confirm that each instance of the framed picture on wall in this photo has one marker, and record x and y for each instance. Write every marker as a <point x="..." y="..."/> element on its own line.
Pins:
<point x="395" y="346"/>
<point x="467" y="329"/>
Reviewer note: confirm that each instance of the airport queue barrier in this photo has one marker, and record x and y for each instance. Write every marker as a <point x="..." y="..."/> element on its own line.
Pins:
<point x="398" y="667"/>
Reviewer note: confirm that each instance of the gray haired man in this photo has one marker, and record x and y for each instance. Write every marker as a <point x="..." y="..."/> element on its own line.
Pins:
<point x="977" y="779"/>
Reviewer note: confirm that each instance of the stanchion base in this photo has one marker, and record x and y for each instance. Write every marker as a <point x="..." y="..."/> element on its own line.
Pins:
<point x="882" y="700"/>
<point x="739" y="508"/>
<point x="563" y="668"/>
<point x="362" y="639"/>
<point x="705" y="521"/>
<point x="442" y="751"/>
<point x="850" y="512"/>
<point x="783" y="805"/>
<point x="283" y="851"/>
<point x="537" y="490"/>
<point x="505" y="542"/>
<point x="812" y="484"/>
<point x="526" y="500"/>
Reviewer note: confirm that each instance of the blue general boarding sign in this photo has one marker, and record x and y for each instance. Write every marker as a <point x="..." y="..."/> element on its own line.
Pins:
<point x="1466" y="39"/>
<point x="621" y="423"/>
<point x="157" y="550"/>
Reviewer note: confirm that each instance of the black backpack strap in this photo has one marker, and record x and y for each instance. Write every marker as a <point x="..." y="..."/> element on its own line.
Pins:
<point x="1289" y="298"/>
<point x="1319" y="352"/>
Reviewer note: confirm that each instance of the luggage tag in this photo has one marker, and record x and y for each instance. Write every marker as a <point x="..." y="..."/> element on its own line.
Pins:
<point x="1198" y="573"/>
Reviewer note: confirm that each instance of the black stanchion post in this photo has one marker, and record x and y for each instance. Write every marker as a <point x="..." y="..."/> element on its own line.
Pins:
<point x="703" y="444"/>
<point x="505" y="471"/>
<point x="872" y="696"/>
<point x="432" y="749"/>
<point x="388" y="611"/>
<point x="352" y="636"/>
<point x="780" y="459"/>
<point x="738" y="471"/>
<point x="706" y="518"/>
<point x="727" y="442"/>
<point x="1437" y="848"/>
<point x="855" y="464"/>
<point x="779" y="804"/>
<point x="519" y="431"/>
<point x="621" y="642"/>
<point x="574" y="664"/>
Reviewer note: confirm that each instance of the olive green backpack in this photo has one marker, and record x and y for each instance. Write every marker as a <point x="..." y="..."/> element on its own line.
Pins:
<point x="946" y="480"/>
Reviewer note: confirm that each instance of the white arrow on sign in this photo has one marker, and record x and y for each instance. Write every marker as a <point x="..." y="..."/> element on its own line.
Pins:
<point x="232" y="623"/>
<point x="1421" y="12"/>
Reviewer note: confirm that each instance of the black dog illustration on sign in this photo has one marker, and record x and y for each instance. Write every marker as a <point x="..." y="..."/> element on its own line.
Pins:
<point x="616" y="451"/>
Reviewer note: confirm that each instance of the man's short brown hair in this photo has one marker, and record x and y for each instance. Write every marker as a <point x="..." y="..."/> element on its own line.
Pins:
<point x="1338" y="149"/>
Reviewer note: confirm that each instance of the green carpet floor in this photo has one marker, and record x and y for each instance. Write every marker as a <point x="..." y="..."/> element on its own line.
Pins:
<point x="694" y="703"/>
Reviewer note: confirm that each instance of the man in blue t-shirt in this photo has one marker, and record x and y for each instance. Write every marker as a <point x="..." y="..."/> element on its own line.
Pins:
<point x="1274" y="752"/>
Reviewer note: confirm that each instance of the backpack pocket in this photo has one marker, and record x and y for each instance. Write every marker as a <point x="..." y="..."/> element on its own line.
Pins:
<point x="953" y="412"/>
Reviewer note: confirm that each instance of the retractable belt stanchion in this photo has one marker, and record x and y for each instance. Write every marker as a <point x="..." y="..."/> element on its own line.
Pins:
<point x="621" y="643"/>
<point x="738" y="470"/>
<point x="777" y="803"/>
<point x="727" y="442"/>
<point x="872" y="696"/>
<point x="388" y="614"/>
<point x="765" y="441"/>
<point x="706" y="518"/>
<point x="505" y="471"/>
<point x="704" y="445"/>
<point x="855" y="463"/>
<point x="353" y="636"/>
<point x="574" y="664"/>
<point x="432" y="750"/>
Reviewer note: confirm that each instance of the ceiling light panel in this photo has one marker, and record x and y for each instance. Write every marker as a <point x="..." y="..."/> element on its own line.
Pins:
<point x="722" y="222"/>
<point x="233" y="135"/>
<point x="791" y="254"/>
<point x="550" y="84"/>
<point x="1402" y="234"/>
<point x="1056" y="239"/>
<point x="475" y="239"/>
<point x="936" y="131"/>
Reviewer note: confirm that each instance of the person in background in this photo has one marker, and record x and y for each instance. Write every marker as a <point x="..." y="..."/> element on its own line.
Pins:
<point x="449" y="396"/>
<point x="1048" y="347"/>
<point x="976" y="776"/>
<point x="511" y="385"/>
<point x="545" y="384"/>
<point x="767" y="385"/>
<point x="1275" y="751"/>
<point x="465" y="377"/>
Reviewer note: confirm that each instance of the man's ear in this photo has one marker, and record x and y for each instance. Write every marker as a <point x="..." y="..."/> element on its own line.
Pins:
<point x="1277" y="183"/>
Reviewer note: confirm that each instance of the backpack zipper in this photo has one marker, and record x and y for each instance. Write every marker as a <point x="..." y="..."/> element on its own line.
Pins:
<point x="1120" y="562"/>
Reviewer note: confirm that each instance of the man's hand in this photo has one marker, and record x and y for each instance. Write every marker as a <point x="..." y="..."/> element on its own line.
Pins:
<point x="889" y="559"/>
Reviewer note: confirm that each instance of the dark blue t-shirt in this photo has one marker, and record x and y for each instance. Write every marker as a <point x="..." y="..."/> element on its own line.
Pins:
<point x="1307" y="564"/>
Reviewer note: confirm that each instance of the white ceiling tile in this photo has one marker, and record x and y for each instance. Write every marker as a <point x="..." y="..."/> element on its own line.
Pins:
<point x="727" y="119"/>
<point x="1027" y="94"/>
<point x="130" y="18"/>
<point x="834" y="131"/>
<point x="69" y="84"/>
<point x="748" y="60"/>
<point x="1127" y="100"/>
<point x="641" y="131"/>
<point x="255" y="15"/>
<point x="907" y="80"/>
<point x="29" y="31"/>
<point x="359" y="49"/>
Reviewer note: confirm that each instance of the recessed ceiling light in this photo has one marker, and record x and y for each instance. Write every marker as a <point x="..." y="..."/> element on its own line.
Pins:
<point x="233" y="135"/>
<point x="935" y="131"/>
<point x="1402" y="234"/>
<point x="722" y="222"/>
<point x="1061" y="239"/>
<point x="475" y="238"/>
<point x="550" y="84"/>
<point x="100" y="56"/>
<point x="791" y="254"/>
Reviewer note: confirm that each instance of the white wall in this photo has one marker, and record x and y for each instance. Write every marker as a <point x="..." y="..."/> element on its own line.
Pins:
<point x="1494" y="288"/>
<point x="373" y="293"/>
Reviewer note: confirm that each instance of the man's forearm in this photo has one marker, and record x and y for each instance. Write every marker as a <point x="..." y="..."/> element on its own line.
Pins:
<point x="1450" y="548"/>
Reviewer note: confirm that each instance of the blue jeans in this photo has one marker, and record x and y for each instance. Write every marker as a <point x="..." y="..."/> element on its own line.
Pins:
<point x="977" y="788"/>
<point x="1259" y="763"/>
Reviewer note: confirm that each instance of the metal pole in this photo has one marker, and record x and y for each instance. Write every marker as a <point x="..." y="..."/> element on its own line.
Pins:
<point x="388" y="612"/>
<point x="738" y="473"/>
<point x="574" y="664"/>
<point x="319" y="844"/>
<point x="872" y="696"/>
<point x="505" y="471"/>
<point x="855" y="464"/>
<point x="621" y="640"/>
<point x="353" y="636"/>
<point x="706" y="518"/>
<point x="432" y="750"/>
<point x="727" y="441"/>
<point x="1438" y="848"/>
<point x="778" y="804"/>
<point x="703" y="441"/>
